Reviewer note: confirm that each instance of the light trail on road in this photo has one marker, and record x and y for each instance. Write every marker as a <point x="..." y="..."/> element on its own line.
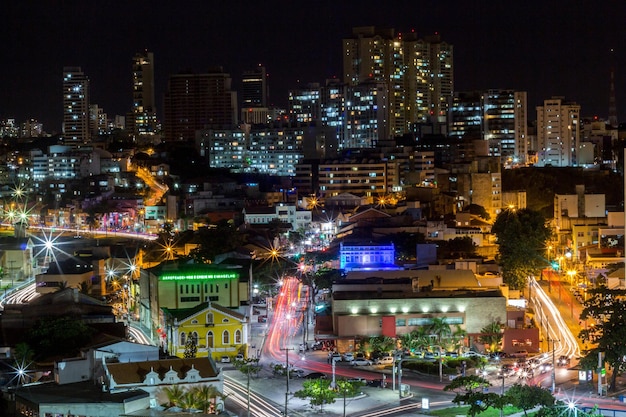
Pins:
<point x="259" y="406"/>
<point x="567" y="343"/>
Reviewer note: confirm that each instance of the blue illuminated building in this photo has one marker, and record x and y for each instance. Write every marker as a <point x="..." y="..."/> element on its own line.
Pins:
<point x="367" y="257"/>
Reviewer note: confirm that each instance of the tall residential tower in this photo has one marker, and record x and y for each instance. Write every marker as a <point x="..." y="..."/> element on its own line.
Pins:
<point x="142" y="118"/>
<point x="558" y="133"/>
<point x="418" y="74"/>
<point x="198" y="101"/>
<point x="75" y="106"/>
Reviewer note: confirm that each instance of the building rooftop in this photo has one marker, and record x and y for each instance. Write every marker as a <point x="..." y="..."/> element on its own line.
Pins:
<point x="77" y="393"/>
<point x="135" y="372"/>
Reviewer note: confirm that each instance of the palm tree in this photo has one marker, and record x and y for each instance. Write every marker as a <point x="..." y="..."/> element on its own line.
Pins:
<point x="83" y="287"/>
<point x="491" y="335"/>
<point x="174" y="395"/>
<point x="188" y="401"/>
<point x="440" y="329"/>
<point x="206" y="396"/>
<point x="458" y="337"/>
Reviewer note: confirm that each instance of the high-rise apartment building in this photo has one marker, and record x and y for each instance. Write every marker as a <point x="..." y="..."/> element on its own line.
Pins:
<point x="142" y="119"/>
<point x="558" y="133"/>
<point x="418" y="73"/>
<point x="254" y="88"/>
<point x="496" y="116"/>
<point x="97" y="121"/>
<point x="198" y="101"/>
<point x="75" y="106"/>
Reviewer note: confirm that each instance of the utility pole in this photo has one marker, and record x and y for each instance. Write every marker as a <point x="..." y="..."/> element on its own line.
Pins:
<point x="286" y="350"/>
<point x="553" y="364"/>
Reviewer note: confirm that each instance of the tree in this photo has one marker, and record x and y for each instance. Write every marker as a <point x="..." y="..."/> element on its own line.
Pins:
<point x="459" y="247"/>
<point x="191" y="348"/>
<point x="559" y="409"/>
<point x="205" y="397"/>
<point x="522" y="236"/>
<point x="477" y="210"/>
<point x="491" y="335"/>
<point x="58" y="336"/>
<point x="607" y="308"/>
<point x="527" y="397"/>
<point x="470" y="390"/>
<point x="381" y="344"/>
<point x="317" y="391"/>
<point x="440" y="329"/>
<point x="406" y="244"/>
<point x="174" y="395"/>
<point x="347" y="389"/>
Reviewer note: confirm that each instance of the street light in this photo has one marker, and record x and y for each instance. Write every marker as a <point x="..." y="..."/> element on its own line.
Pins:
<point x="286" y="350"/>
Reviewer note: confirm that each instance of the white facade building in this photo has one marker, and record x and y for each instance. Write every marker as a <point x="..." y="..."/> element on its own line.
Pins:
<point x="558" y="133"/>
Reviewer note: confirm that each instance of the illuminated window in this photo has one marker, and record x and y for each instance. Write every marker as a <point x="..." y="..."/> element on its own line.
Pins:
<point x="225" y="337"/>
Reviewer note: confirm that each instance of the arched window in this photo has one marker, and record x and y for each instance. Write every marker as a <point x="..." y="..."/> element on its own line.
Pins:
<point x="183" y="338"/>
<point x="226" y="338"/>
<point x="237" y="337"/>
<point x="209" y="318"/>
<point x="209" y="340"/>
<point x="194" y="336"/>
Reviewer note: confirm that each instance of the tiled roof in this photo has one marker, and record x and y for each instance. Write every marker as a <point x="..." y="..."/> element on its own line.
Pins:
<point x="135" y="372"/>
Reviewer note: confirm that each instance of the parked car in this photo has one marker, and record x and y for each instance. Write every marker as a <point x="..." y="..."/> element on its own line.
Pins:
<point x="334" y="357"/>
<point x="519" y="354"/>
<point x="315" y="375"/>
<point x="361" y="362"/>
<point x="378" y="383"/>
<point x="317" y="346"/>
<point x="358" y="379"/>
<point x="348" y="356"/>
<point x="452" y="354"/>
<point x="472" y="354"/>
<point x="385" y="360"/>
<point x="297" y="373"/>
<point x="239" y="357"/>
<point x="225" y="359"/>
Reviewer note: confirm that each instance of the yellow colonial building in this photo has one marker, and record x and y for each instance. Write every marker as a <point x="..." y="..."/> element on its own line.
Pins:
<point x="217" y="331"/>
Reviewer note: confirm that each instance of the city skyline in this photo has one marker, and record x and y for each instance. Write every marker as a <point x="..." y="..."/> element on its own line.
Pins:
<point x="556" y="49"/>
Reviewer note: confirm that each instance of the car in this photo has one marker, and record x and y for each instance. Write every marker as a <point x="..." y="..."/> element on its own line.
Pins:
<point x="334" y="357"/>
<point x="225" y="359"/>
<point x="533" y="362"/>
<point x="297" y="373"/>
<point x="472" y="354"/>
<point x="378" y="383"/>
<point x="563" y="360"/>
<point x="303" y="347"/>
<point x="452" y="354"/>
<point x="519" y="354"/>
<point x="507" y="370"/>
<point x="239" y="357"/>
<point x="385" y="360"/>
<point x="545" y="367"/>
<point x="348" y="356"/>
<point x="361" y="362"/>
<point x="358" y="379"/>
<point x="316" y="375"/>
<point x="317" y="346"/>
<point x="359" y="355"/>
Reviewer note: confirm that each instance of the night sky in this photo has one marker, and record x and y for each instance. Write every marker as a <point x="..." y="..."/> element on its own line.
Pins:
<point x="544" y="47"/>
